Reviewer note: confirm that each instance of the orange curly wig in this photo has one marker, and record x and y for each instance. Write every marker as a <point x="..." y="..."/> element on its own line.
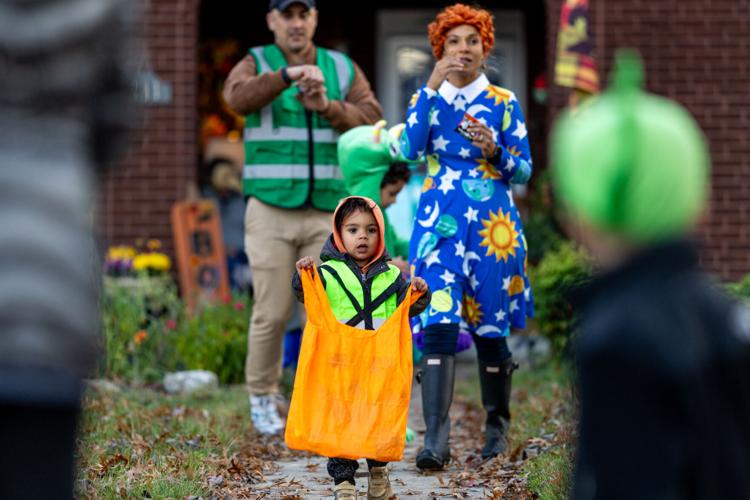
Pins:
<point x="457" y="15"/>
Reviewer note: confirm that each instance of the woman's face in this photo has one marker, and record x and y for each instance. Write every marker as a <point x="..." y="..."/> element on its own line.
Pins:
<point x="464" y="43"/>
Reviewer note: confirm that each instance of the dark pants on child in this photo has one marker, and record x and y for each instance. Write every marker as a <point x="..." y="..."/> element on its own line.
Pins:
<point x="343" y="469"/>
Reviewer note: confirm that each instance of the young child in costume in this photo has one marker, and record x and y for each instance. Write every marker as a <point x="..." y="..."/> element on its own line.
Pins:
<point x="355" y="263"/>
<point x="372" y="166"/>
<point x="663" y="355"/>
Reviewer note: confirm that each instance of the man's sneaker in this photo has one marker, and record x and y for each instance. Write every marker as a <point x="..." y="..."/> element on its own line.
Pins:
<point x="379" y="486"/>
<point x="264" y="414"/>
<point x="345" y="491"/>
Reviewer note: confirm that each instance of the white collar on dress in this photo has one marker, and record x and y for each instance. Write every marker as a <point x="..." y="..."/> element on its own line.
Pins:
<point x="449" y="91"/>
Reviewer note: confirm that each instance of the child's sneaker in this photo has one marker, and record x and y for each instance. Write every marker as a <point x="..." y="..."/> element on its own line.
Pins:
<point x="345" y="491"/>
<point x="265" y="416"/>
<point x="379" y="486"/>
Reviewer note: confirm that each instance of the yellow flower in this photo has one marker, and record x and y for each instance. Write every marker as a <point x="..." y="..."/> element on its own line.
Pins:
<point x="152" y="261"/>
<point x="153" y="244"/>
<point x="120" y="253"/>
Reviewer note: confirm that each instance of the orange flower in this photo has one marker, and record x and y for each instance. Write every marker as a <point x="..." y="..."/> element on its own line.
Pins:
<point x="140" y="336"/>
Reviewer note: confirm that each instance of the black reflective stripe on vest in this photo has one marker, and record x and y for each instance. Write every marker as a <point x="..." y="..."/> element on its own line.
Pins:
<point x="363" y="314"/>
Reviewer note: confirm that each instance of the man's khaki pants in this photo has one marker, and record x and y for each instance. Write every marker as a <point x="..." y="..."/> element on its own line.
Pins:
<point x="275" y="238"/>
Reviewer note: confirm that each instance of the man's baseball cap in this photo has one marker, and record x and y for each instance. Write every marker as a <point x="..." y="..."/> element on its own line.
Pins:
<point x="283" y="4"/>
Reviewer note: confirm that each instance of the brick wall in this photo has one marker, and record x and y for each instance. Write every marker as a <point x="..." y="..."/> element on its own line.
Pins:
<point x="695" y="52"/>
<point x="136" y="198"/>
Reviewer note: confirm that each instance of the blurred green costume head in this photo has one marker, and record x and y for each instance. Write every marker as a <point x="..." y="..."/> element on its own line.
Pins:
<point x="365" y="153"/>
<point x="629" y="162"/>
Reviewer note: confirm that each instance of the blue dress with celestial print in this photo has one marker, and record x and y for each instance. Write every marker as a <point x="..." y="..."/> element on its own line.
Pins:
<point x="468" y="242"/>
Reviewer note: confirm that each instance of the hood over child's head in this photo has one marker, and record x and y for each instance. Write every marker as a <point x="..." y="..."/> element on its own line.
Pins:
<point x="347" y="208"/>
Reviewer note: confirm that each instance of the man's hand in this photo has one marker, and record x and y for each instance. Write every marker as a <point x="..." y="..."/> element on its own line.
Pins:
<point x="313" y="97"/>
<point x="305" y="74"/>
<point x="418" y="284"/>
<point x="305" y="263"/>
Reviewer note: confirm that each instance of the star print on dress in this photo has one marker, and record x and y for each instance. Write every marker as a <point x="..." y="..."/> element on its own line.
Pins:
<point x="440" y="143"/>
<point x="506" y="283"/>
<point x="520" y="131"/>
<point x="459" y="104"/>
<point x="471" y="214"/>
<point x="448" y="277"/>
<point x="447" y="179"/>
<point x="460" y="249"/>
<point x="473" y="173"/>
<point x="509" y="192"/>
<point x="500" y="315"/>
<point x="513" y="305"/>
<point x="464" y="153"/>
<point x="432" y="258"/>
<point x="509" y="164"/>
<point x="434" y="117"/>
<point x="413" y="120"/>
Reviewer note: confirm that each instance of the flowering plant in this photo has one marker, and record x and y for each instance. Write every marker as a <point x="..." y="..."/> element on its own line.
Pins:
<point x="130" y="261"/>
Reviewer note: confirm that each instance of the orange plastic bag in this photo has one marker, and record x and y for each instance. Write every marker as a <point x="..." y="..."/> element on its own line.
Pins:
<point x="352" y="387"/>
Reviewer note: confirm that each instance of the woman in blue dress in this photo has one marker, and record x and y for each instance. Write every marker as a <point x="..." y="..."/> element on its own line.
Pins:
<point x="468" y="241"/>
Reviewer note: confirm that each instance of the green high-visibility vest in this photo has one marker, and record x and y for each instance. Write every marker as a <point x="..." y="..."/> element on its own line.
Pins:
<point x="342" y="306"/>
<point x="287" y="148"/>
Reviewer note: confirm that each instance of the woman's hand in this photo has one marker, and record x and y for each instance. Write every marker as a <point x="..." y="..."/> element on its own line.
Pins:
<point x="483" y="138"/>
<point x="305" y="263"/>
<point x="444" y="66"/>
<point x="418" y="284"/>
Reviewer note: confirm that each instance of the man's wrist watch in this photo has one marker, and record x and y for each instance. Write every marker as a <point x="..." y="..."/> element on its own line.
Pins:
<point x="285" y="76"/>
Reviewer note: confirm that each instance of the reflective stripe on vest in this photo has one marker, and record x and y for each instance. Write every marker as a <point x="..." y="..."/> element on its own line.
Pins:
<point x="277" y="171"/>
<point x="339" y="301"/>
<point x="277" y="139"/>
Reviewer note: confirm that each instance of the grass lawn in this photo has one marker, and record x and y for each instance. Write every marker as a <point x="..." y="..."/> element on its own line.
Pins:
<point x="542" y="424"/>
<point x="143" y="443"/>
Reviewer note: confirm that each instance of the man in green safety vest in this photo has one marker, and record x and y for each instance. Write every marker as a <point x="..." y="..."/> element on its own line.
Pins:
<point x="296" y="99"/>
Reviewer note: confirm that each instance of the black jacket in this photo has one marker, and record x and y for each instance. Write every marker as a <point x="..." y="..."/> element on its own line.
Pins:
<point x="664" y="374"/>
<point x="330" y="252"/>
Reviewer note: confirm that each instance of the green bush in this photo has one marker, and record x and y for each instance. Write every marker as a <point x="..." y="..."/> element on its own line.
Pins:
<point x="560" y="270"/>
<point x="136" y="318"/>
<point x="741" y="289"/>
<point x="216" y="340"/>
<point x="148" y="332"/>
<point x="540" y="227"/>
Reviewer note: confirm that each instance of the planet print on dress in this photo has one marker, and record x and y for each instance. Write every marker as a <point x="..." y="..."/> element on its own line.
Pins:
<point x="427" y="244"/>
<point x="506" y="117"/>
<point x="517" y="285"/>
<point x="478" y="189"/>
<point x="446" y="226"/>
<point x="441" y="301"/>
<point x="429" y="183"/>
<point x="433" y="165"/>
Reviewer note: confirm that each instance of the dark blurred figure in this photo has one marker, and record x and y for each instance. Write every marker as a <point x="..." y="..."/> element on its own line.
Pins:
<point x="664" y="356"/>
<point x="65" y="103"/>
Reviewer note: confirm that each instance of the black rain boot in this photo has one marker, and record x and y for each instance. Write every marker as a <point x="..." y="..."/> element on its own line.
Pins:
<point x="438" y="373"/>
<point x="494" y="379"/>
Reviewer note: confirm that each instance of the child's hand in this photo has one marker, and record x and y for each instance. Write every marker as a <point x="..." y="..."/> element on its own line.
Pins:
<point x="305" y="263"/>
<point x="418" y="284"/>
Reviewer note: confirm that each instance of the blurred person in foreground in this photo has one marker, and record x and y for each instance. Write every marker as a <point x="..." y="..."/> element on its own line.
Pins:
<point x="296" y="98"/>
<point x="65" y="110"/>
<point x="663" y="356"/>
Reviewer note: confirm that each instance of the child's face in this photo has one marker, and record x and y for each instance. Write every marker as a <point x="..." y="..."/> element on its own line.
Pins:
<point x="389" y="192"/>
<point x="361" y="236"/>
